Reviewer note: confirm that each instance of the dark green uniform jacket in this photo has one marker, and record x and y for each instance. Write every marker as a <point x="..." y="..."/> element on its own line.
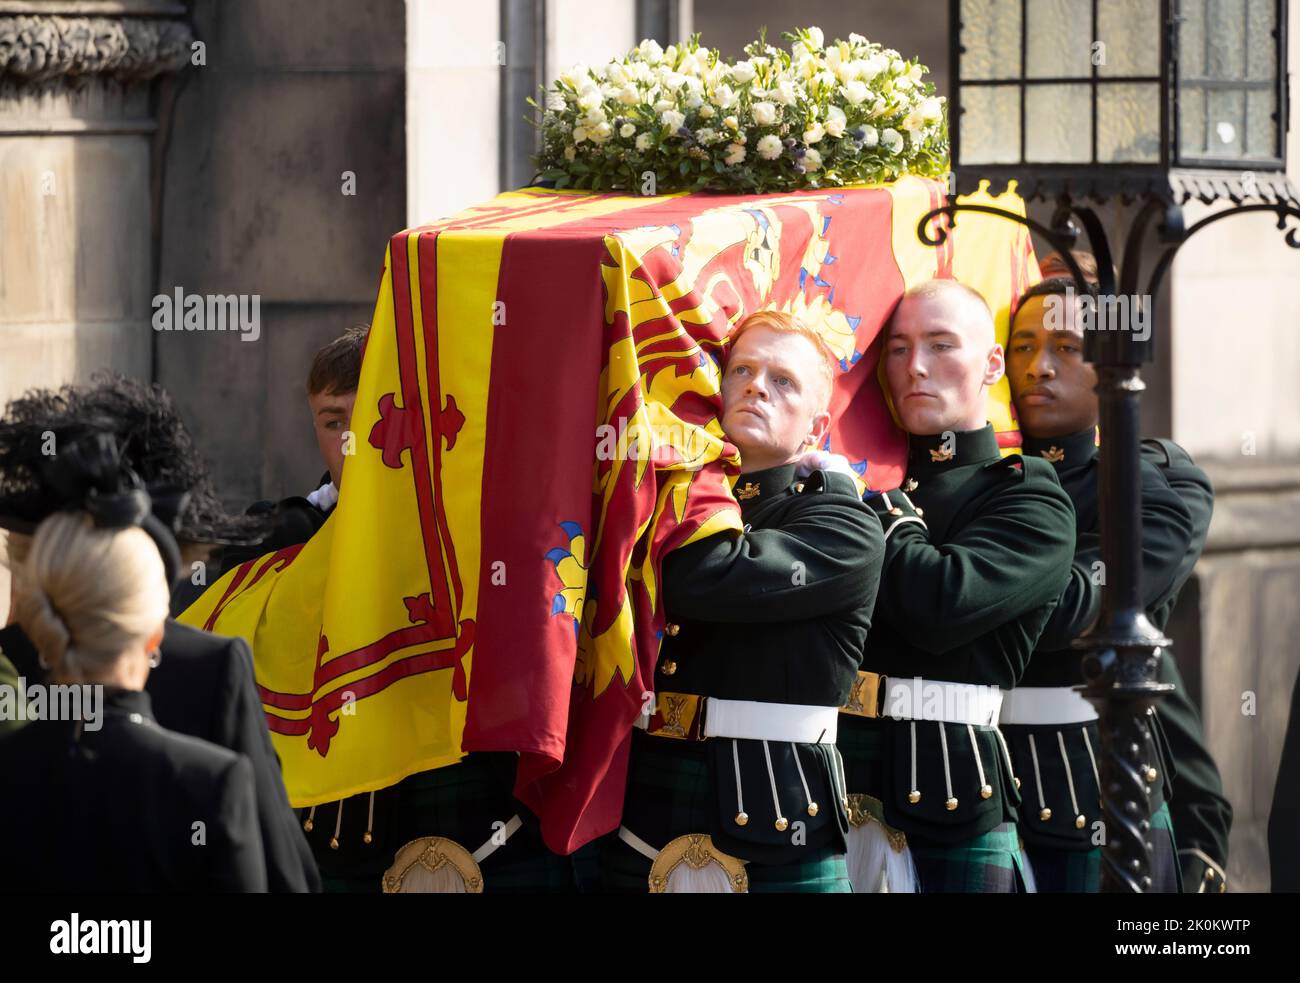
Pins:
<point x="978" y="548"/>
<point x="1175" y="521"/>
<point x="777" y="614"/>
<point x="1201" y="813"/>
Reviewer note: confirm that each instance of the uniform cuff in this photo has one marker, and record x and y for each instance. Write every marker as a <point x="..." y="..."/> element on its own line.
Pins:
<point x="895" y="510"/>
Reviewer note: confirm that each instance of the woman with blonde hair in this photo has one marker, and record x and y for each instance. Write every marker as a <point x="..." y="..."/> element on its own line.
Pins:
<point x="98" y="796"/>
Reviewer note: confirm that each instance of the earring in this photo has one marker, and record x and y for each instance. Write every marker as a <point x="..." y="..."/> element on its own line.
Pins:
<point x="155" y="657"/>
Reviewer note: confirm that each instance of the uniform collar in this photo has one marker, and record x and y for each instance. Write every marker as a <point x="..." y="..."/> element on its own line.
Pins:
<point x="1069" y="451"/>
<point x="128" y="702"/>
<point x="755" y="488"/>
<point x="937" y="452"/>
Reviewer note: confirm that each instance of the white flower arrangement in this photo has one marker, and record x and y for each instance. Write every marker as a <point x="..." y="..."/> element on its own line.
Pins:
<point x="815" y="116"/>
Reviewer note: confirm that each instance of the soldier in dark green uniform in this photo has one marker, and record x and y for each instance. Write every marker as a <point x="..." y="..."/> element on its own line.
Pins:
<point x="1050" y="728"/>
<point x="977" y="548"/>
<point x="734" y="782"/>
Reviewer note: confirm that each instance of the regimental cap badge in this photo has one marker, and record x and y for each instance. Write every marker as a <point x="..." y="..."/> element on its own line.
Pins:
<point x="1054" y="454"/>
<point x="750" y="490"/>
<point x="942" y="454"/>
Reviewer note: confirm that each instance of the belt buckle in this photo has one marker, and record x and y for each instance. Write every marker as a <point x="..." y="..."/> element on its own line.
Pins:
<point x="700" y="716"/>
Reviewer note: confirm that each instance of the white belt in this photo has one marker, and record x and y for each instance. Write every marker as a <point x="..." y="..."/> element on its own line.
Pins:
<point x="751" y="720"/>
<point x="1046" y="705"/>
<point x="934" y="699"/>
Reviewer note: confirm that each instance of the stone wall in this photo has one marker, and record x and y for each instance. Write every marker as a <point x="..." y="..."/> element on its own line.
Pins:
<point x="285" y="174"/>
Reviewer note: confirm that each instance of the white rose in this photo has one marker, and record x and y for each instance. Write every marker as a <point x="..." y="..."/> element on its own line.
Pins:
<point x="579" y="134"/>
<point x="735" y="154"/>
<point x="855" y="92"/>
<point x="743" y="72"/>
<point x="626" y="130"/>
<point x="764" y="113"/>
<point x="575" y="76"/>
<point x="601" y="132"/>
<point x="835" y="122"/>
<point x="672" y="119"/>
<point x="812" y="161"/>
<point x="650" y="51"/>
<point x="871" y="136"/>
<point x="731" y="123"/>
<point x="570" y="153"/>
<point x="814" y="133"/>
<point x="769" y="147"/>
<point x="628" y="95"/>
<point x="644" y="142"/>
<point x="707" y="112"/>
<point x="891" y="140"/>
<point x="555" y="101"/>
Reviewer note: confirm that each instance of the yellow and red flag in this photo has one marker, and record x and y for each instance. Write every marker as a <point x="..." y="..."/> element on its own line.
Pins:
<point x="490" y="577"/>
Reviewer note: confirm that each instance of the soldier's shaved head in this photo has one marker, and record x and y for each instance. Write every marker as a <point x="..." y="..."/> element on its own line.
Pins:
<point x="967" y="309"/>
<point x="941" y="355"/>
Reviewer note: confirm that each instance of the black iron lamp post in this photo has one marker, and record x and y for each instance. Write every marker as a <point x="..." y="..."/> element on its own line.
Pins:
<point x="1156" y="103"/>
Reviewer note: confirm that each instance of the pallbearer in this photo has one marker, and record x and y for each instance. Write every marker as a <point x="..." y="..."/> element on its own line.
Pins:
<point x="977" y="548"/>
<point x="735" y="783"/>
<point x="1050" y="727"/>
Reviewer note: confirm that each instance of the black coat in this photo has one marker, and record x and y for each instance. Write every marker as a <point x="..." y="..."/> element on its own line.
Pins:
<point x="204" y="687"/>
<point x="128" y="806"/>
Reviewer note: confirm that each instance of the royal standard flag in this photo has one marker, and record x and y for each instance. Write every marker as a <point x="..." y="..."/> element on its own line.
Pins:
<point x="536" y="426"/>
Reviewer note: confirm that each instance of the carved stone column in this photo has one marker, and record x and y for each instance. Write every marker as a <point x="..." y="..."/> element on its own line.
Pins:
<point x="78" y="96"/>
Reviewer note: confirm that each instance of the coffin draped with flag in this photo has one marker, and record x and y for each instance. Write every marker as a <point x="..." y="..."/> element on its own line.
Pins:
<point x="536" y="426"/>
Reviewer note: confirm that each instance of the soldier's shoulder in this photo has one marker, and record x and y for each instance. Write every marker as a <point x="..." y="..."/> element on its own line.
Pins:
<point x="1030" y="470"/>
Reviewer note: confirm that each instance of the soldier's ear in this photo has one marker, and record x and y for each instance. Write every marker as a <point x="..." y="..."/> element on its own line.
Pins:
<point x="996" y="366"/>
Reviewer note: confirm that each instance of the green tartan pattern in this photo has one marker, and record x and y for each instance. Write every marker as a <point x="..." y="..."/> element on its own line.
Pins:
<point x="669" y="795"/>
<point x="1166" y="876"/>
<point x="1065" y="871"/>
<point x="987" y="864"/>
<point x="1076" y="872"/>
<point x="624" y="871"/>
<point x="460" y="802"/>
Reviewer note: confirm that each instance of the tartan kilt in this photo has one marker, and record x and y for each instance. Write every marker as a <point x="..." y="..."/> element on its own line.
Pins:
<point x="625" y="871"/>
<point x="670" y="794"/>
<point x="461" y="802"/>
<point x="1070" y="871"/>
<point x="1065" y="871"/>
<point x="1166" y="873"/>
<point x="985" y="864"/>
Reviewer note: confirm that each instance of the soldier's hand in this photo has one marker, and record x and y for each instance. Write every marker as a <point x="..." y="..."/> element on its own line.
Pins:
<point x="819" y="460"/>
